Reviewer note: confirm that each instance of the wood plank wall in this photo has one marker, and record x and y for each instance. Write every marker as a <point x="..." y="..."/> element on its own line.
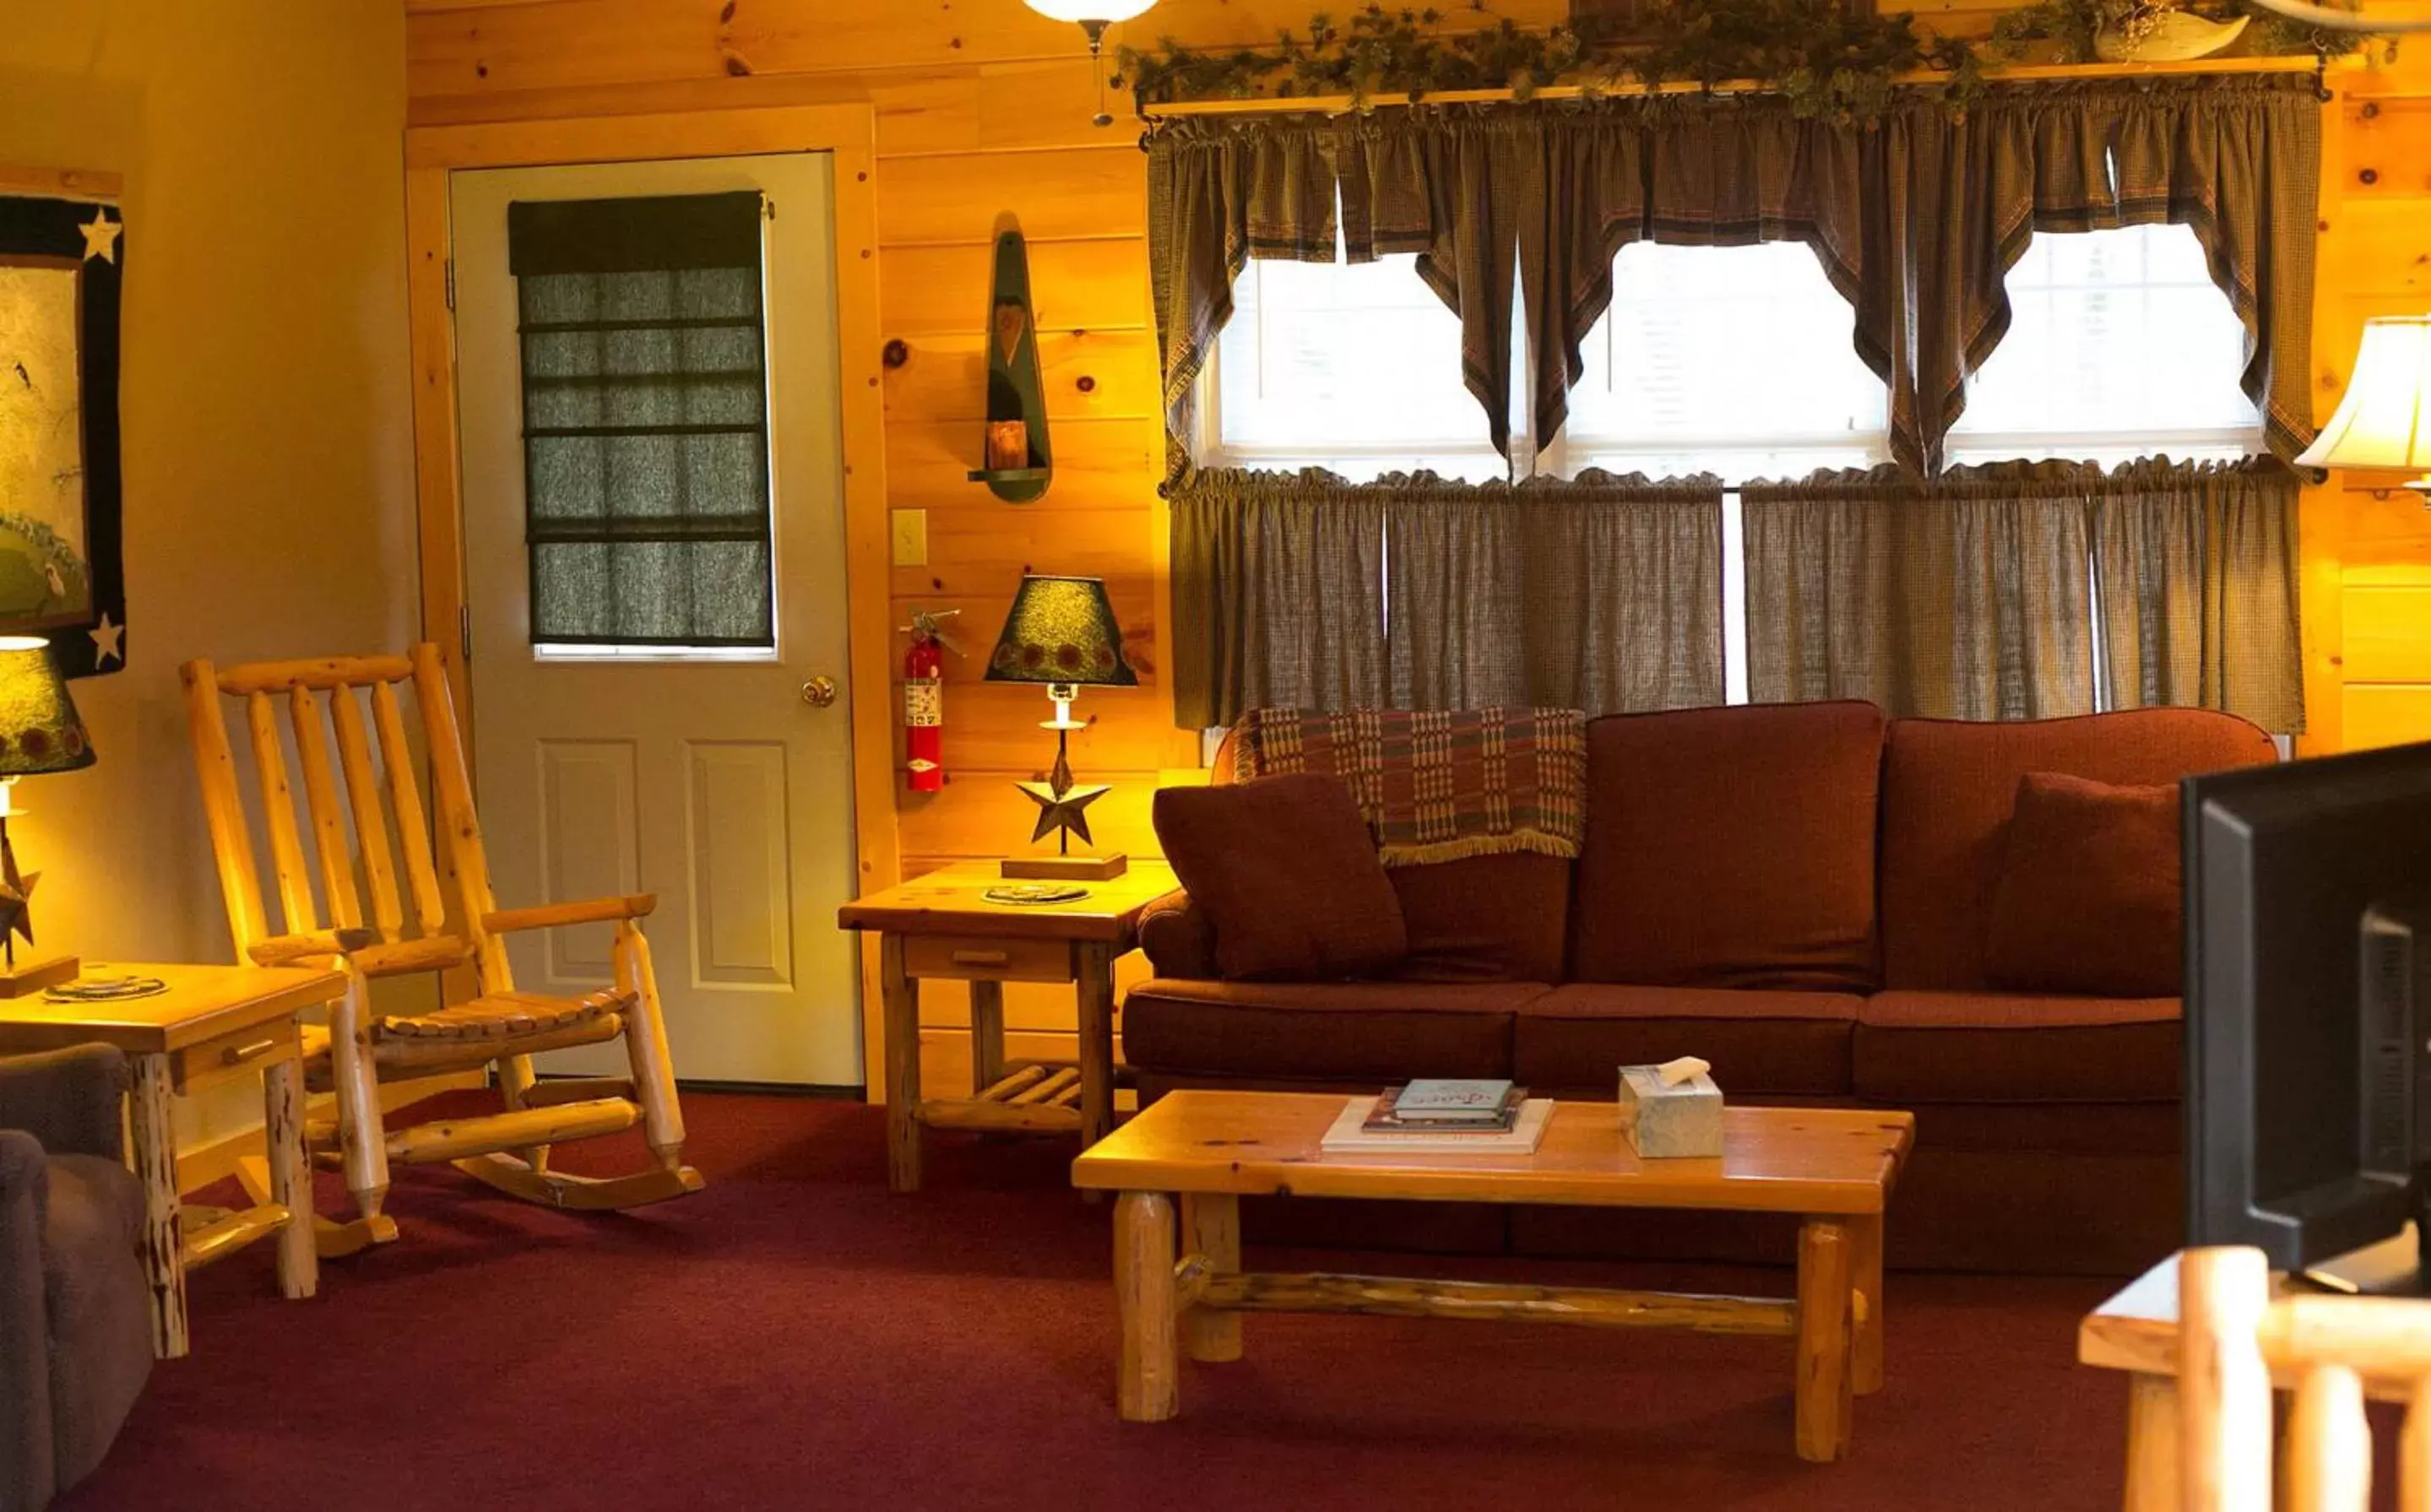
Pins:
<point x="984" y="106"/>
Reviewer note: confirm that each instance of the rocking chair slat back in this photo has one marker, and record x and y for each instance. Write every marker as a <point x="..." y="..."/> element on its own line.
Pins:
<point x="321" y="803"/>
<point x="362" y="829"/>
<point x="371" y="819"/>
<point x="405" y="798"/>
<point x="297" y="913"/>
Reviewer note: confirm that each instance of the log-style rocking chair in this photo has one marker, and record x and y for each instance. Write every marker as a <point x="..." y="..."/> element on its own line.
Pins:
<point x="359" y="836"/>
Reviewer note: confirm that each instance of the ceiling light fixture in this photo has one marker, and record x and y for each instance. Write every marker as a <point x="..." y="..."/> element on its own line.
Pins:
<point x="1094" y="17"/>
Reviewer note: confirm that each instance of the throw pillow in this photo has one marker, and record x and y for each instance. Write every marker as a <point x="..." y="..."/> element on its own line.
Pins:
<point x="2088" y="899"/>
<point x="1287" y="872"/>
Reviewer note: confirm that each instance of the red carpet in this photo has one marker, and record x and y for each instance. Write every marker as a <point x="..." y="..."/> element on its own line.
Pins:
<point x="795" y="1336"/>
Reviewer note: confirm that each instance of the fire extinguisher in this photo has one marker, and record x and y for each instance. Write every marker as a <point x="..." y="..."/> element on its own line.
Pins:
<point x="924" y="702"/>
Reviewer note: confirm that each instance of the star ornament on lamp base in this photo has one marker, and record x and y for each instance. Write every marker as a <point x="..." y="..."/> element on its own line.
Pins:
<point x="1063" y="811"/>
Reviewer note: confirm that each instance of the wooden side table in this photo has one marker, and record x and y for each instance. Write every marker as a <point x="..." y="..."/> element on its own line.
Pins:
<point x="942" y="926"/>
<point x="213" y="1023"/>
<point x="2137" y="1331"/>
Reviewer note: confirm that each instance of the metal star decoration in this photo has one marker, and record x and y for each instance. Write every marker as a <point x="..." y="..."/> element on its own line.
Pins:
<point x="16" y="916"/>
<point x="1062" y="810"/>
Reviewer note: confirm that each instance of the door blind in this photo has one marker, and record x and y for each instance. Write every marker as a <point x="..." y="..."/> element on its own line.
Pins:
<point x="646" y="421"/>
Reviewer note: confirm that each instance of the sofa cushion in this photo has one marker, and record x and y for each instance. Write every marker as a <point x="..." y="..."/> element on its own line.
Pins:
<point x="1288" y="875"/>
<point x="2010" y="1047"/>
<point x="2087" y="899"/>
<point x="1315" y="1031"/>
<point x="1730" y="848"/>
<point x="1575" y="1039"/>
<point x="1948" y="787"/>
<point x="1485" y="919"/>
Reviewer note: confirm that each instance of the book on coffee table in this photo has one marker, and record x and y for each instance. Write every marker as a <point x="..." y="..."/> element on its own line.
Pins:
<point x="1349" y="1134"/>
<point x="1394" y="1115"/>
<point x="1443" y="1098"/>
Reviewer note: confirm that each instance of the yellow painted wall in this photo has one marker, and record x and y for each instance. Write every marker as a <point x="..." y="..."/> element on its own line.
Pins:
<point x="265" y="399"/>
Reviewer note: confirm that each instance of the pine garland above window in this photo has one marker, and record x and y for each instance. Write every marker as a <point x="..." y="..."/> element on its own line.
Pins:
<point x="1829" y="58"/>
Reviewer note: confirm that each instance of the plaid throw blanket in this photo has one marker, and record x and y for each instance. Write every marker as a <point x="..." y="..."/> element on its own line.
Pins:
<point x="1438" y="785"/>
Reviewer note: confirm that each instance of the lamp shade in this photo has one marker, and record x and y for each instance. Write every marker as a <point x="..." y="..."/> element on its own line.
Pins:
<point x="2385" y="419"/>
<point x="39" y="729"/>
<point x="1086" y="11"/>
<point x="1061" y="630"/>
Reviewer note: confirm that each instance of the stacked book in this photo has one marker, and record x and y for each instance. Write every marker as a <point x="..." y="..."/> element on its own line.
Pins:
<point x="1440" y="1117"/>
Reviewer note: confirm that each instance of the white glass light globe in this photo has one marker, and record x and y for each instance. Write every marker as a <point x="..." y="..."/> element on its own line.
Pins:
<point x="1087" y="10"/>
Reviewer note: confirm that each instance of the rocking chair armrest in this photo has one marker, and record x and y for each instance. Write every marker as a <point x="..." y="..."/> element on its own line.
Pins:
<point x="557" y="914"/>
<point x="284" y="950"/>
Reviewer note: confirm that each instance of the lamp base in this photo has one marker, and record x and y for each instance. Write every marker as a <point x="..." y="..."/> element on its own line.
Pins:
<point x="28" y="978"/>
<point x="1066" y="868"/>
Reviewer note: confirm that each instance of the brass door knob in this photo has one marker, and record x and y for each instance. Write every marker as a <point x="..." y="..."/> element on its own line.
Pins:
<point x="819" y="692"/>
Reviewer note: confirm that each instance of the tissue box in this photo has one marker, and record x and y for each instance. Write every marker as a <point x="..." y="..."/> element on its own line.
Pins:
<point x="1670" y="1122"/>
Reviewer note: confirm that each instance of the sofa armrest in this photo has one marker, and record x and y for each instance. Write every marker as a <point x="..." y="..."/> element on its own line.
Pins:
<point x="68" y="1099"/>
<point x="1179" y="938"/>
<point x="28" y="1474"/>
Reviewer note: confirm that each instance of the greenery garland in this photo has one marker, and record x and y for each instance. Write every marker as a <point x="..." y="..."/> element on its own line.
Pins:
<point x="1830" y="59"/>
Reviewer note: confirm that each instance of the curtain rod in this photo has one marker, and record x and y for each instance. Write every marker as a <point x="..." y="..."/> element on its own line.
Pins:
<point x="1345" y="105"/>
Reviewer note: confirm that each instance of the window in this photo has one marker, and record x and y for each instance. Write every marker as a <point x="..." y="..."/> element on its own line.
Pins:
<point x="1354" y="367"/>
<point x="645" y="425"/>
<point x="2119" y="346"/>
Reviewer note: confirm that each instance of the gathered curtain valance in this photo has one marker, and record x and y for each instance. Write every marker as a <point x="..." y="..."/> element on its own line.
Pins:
<point x="1915" y="216"/>
<point x="2029" y="591"/>
<point x="1303" y="590"/>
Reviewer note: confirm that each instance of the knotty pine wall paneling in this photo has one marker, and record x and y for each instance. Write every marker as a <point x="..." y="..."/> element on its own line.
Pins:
<point x="984" y="106"/>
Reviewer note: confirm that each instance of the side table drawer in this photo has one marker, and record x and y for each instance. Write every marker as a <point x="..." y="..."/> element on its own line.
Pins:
<point x="987" y="960"/>
<point x="242" y="1052"/>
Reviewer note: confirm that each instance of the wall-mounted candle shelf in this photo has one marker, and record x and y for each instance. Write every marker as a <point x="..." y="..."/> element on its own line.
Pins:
<point x="1018" y="462"/>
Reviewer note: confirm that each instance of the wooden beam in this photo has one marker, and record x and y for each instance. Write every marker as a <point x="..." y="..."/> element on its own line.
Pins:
<point x="1589" y="1307"/>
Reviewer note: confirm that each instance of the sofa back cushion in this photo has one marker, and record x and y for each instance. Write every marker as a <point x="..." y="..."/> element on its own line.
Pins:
<point x="1730" y="848"/>
<point x="2088" y="899"/>
<point x="1950" y="786"/>
<point x="1287" y="874"/>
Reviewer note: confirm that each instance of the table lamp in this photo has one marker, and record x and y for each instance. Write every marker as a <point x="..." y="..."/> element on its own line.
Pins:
<point x="2385" y="419"/>
<point x="40" y="732"/>
<point x="1062" y="632"/>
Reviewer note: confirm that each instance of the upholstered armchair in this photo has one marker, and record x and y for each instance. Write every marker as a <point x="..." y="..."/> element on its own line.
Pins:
<point x="76" y="1339"/>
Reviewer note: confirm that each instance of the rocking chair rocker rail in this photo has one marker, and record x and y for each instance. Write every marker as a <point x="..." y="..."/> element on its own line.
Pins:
<point x="373" y="862"/>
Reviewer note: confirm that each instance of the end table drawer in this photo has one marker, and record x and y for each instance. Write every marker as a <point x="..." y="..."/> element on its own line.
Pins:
<point x="242" y="1053"/>
<point x="987" y="960"/>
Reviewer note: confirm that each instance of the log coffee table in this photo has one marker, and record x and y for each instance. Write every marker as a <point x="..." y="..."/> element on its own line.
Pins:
<point x="1834" y="1167"/>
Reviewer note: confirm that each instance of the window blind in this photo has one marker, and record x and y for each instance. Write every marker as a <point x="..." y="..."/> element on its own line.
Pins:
<point x="646" y="421"/>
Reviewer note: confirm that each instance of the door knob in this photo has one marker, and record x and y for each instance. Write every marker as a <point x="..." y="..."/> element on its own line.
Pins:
<point x="819" y="692"/>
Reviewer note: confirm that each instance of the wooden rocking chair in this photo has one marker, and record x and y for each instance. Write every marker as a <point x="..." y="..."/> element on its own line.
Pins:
<point x="500" y="1028"/>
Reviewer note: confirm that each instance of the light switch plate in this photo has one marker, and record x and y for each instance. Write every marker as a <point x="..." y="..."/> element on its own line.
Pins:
<point x="911" y="537"/>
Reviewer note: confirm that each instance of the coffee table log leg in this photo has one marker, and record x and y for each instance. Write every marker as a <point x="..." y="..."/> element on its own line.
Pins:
<point x="1210" y="1225"/>
<point x="1147" y="1387"/>
<point x="1865" y="1266"/>
<point x="2153" y="1472"/>
<point x="152" y="1135"/>
<point x="987" y="1036"/>
<point x="901" y="995"/>
<point x="1824" y="1377"/>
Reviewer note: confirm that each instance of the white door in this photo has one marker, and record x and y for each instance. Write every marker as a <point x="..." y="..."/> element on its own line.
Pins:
<point x="702" y="773"/>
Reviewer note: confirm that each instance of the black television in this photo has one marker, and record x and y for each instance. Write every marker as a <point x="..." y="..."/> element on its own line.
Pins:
<point x="2308" y="1003"/>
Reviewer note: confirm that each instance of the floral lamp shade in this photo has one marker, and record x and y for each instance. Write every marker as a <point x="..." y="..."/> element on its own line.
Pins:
<point x="40" y="728"/>
<point x="1062" y="630"/>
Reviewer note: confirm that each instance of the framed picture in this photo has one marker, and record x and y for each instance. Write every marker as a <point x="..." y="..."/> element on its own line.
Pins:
<point x="63" y="256"/>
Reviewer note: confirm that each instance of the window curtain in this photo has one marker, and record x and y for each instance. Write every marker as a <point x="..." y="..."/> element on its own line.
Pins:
<point x="1303" y="590"/>
<point x="1605" y="594"/>
<point x="2196" y="569"/>
<point x="1977" y="594"/>
<point x="1967" y="597"/>
<point x="1915" y="216"/>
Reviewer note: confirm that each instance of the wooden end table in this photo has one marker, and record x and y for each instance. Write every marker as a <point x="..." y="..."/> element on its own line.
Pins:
<point x="2137" y="1331"/>
<point x="1834" y="1167"/>
<point x="214" y="1024"/>
<point x="943" y="925"/>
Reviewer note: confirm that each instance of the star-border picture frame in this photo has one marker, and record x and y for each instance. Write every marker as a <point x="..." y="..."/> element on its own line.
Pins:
<point x="54" y="214"/>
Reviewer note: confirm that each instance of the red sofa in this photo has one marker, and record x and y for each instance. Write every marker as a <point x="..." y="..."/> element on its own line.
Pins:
<point x="1800" y="893"/>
